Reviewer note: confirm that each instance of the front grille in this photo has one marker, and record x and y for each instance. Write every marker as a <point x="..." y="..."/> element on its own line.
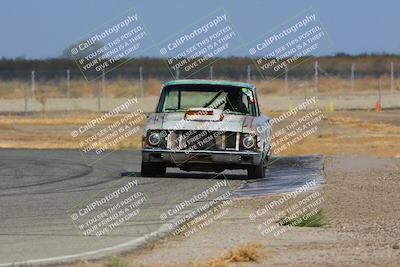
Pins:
<point x="203" y="140"/>
<point x="230" y="141"/>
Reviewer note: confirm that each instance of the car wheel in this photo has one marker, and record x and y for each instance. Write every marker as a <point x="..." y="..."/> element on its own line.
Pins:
<point x="257" y="171"/>
<point x="152" y="169"/>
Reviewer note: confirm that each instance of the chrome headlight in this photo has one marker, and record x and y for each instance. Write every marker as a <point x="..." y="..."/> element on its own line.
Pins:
<point x="154" y="138"/>
<point x="248" y="141"/>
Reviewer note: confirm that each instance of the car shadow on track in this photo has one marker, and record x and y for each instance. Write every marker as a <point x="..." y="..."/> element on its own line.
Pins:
<point x="189" y="175"/>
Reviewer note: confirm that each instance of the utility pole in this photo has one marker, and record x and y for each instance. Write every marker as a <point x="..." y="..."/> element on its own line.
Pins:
<point x="33" y="84"/>
<point x="379" y="91"/>
<point x="68" y="84"/>
<point x="391" y="77"/>
<point x="352" y="77"/>
<point x="248" y="73"/>
<point x="305" y="91"/>
<point x="99" y="98"/>
<point x="141" y="81"/>
<point x="211" y="72"/>
<point x="177" y="73"/>
<point x="286" y="80"/>
<point x="103" y="78"/>
<point x="316" y="79"/>
<point x="25" y="99"/>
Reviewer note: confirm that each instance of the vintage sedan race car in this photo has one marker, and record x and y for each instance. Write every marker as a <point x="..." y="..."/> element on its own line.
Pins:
<point x="205" y="125"/>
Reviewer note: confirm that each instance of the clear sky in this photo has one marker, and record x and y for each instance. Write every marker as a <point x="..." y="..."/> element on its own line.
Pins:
<point x="43" y="28"/>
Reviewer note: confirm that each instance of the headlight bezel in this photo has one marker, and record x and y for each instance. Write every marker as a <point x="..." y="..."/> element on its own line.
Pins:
<point x="251" y="138"/>
<point x="154" y="134"/>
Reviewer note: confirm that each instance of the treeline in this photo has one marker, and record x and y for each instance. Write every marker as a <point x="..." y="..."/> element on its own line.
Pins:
<point x="229" y="68"/>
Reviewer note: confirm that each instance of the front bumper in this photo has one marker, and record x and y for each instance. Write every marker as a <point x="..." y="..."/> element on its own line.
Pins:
<point x="178" y="158"/>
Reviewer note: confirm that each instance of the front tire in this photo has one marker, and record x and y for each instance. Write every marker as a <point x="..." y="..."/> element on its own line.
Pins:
<point x="152" y="169"/>
<point x="257" y="171"/>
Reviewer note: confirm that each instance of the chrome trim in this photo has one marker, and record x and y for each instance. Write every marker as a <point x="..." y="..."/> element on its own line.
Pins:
<point x="202" y="151"/>
<point x="237" y="141"/>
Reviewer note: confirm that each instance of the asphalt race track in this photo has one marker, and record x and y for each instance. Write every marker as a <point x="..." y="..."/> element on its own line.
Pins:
<point x="42" y="191"/>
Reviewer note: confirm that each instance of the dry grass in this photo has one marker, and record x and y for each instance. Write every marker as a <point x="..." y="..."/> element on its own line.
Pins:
<point x="47" y="120"/>
<point x="246" y="253"/>
<point x="126" y="88"/>
<point x="340" y="134"/>
<point x="375" y="127"/>
<point x="116" y="262"/>
<point x="54" y="132"/>
<point x="331" y="85"/>
<point x="78" y="88"/>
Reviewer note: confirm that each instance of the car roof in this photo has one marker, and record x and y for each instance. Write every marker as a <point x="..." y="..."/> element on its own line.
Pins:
<point x="209" y="82"/>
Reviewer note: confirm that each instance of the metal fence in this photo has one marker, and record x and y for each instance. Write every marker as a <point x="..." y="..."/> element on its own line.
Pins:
<point x="39" y="88"/>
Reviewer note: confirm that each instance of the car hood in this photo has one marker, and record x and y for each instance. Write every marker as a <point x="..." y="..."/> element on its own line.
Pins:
<point x="176" y="121"/>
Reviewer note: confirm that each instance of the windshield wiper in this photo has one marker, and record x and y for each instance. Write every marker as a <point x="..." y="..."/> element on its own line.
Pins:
<point x="174" y="109"/>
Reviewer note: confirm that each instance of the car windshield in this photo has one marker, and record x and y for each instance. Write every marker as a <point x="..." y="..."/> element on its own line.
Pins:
<point x="233" y="100"/>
